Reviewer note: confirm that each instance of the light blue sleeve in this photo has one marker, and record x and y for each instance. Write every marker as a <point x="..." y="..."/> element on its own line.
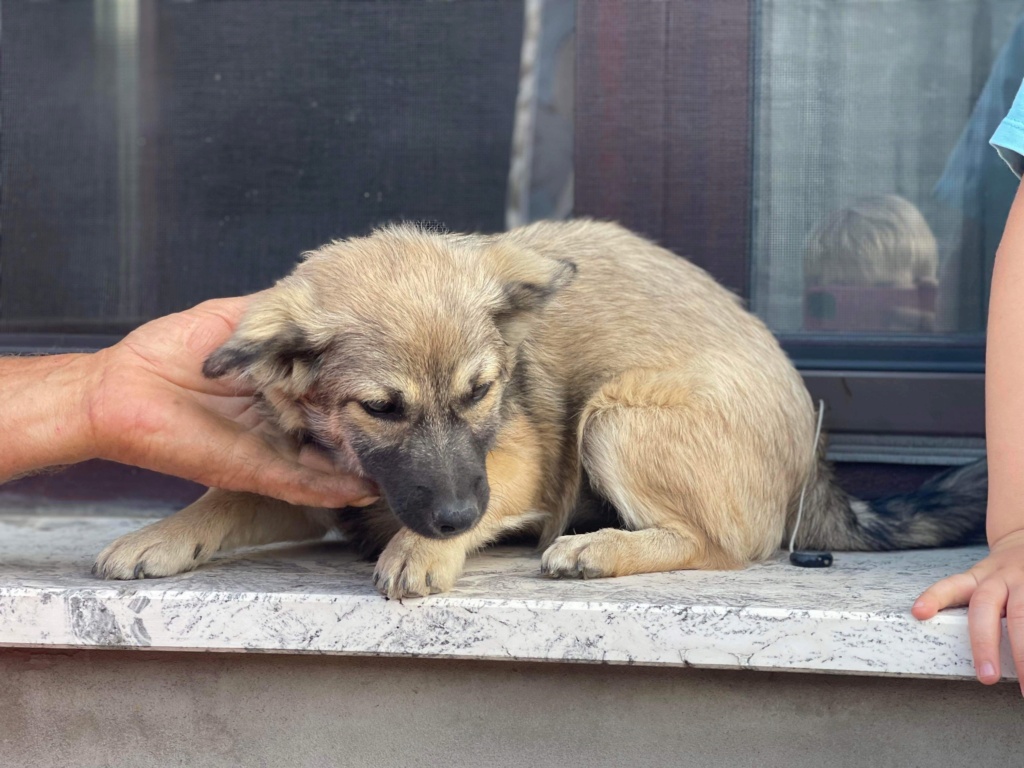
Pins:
<point x="975" y="175"/>
<point x="1008" y="139"/>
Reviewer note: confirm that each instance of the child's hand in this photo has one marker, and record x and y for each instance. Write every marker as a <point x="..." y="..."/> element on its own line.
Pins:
<point x="992" y="588"/>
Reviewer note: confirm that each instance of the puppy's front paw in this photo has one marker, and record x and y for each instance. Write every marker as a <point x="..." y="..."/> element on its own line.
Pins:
<point x="414" y="566"/>
<point x="154" y="551"/>
<point x="583" y="555"/>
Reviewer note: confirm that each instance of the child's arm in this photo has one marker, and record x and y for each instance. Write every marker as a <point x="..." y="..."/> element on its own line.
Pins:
<point x="996" y="584"/>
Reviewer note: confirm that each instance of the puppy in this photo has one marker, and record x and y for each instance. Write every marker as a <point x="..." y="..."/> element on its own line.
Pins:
<point x="517" y="382"/>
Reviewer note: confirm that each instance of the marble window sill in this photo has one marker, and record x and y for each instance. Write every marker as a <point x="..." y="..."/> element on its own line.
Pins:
<point x="852" y="618"/>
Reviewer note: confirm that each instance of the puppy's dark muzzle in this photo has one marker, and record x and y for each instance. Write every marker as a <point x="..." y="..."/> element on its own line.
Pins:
<point x="441" y="515"/>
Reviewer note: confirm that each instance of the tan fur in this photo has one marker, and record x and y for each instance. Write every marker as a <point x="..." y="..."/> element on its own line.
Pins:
<point x="636" y="377"/>
<point x="218" y="521"/>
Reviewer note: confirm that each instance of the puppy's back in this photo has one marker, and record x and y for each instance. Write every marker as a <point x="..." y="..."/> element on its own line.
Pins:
<point x="636" y="305"/>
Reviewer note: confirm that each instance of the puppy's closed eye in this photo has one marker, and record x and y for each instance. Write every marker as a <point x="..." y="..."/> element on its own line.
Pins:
<point x="383" y="409"/>
<point x="478" y="393"/>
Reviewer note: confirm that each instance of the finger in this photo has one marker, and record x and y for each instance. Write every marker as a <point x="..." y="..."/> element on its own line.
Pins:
<point x="220" y="453"/>
<point x="1015" y="628"/>
<point x="951" y="591"/>
<point x="238" y="408"/>
<point x="301" y="485"/>
<point x="258" y="468"/>
<point x="250" y="418"/>
<point x="336" y="461"/>
<point x="984" y="617"/>
<point x="210" y="324"/>
<point x="174" y="347"/>
<point x="314" y="459"/>
<point x="317" y="460"/>
<point x="228" y="386"/>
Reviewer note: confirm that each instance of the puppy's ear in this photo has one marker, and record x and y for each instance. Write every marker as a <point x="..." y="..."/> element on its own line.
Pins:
<point x="263" y="357"/>
<point x="528" y="280"/>
<point x="269" y="347"/>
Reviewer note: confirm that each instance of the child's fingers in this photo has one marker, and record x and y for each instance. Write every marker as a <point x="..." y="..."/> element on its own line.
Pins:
<point x="954" y="590"/>
<point x="1015" y="628"/>
<point x="985" y="620"/>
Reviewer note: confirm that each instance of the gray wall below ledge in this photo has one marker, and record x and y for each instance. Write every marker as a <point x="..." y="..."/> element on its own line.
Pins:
<point x="117" y="708"/>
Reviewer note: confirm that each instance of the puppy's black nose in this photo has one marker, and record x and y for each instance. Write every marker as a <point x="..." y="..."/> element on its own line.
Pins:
<point x="455" y="518"/>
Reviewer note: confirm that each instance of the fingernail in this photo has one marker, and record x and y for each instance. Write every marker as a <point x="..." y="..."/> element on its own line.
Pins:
<point x="987" y="670"/>
<point x="364" y="502"/>
<point x="918" y="604"/>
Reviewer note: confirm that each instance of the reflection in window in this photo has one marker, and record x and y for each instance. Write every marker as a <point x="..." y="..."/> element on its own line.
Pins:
<point x="878" y="203"/>
<point x="872" y="267"/>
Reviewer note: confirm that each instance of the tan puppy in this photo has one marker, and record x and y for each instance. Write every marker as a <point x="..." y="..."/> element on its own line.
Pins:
<point x="523" y="381"/>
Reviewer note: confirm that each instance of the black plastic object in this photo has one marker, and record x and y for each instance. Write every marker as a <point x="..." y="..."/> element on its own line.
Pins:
<point x="811" y="559"/>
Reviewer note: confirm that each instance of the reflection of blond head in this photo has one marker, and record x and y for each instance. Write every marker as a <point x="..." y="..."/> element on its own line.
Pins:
<point x="881" y="241"/>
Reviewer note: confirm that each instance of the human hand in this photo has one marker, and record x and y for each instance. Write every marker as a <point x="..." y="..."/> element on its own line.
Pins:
<point x="150" y="405"/>
<point x="991" y="588"/>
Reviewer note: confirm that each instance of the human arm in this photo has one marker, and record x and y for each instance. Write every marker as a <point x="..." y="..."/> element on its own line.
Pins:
<point x="43" y="412"/>
<point x="996" y="584"/>
<point x="145" y="402"/>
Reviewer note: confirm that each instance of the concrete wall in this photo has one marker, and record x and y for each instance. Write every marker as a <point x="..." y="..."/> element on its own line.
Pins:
<point x="113" y="708"/>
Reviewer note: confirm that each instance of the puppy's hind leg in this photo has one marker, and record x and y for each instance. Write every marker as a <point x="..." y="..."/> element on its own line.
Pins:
<point x="218" y="521"/>
<point x="663" y="455"/>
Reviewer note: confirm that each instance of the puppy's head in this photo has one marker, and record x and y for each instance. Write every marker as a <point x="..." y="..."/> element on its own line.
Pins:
<point x="395" y="352"/>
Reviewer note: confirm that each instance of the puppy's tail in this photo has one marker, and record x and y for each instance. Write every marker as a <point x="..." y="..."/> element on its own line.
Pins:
<point x="948" y="510"/>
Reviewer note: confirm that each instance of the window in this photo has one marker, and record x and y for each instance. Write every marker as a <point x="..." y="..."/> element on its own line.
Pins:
<point x="159" y="153"/>
<point x="826" y="159"/>
<point x="877" y="202"/>
<point x="829" y="161"/>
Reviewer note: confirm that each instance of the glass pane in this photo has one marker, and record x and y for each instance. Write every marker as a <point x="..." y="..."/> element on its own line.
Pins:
<point x="878" y="203"/>
<point x="155" y="154"/>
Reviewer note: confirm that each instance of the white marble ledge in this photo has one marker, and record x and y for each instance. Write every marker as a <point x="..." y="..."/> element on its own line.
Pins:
<point x="852" y="618"/>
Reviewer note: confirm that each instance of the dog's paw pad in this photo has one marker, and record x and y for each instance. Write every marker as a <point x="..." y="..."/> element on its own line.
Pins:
<point x="581" y="556"/>
<point x="149" y="554"/>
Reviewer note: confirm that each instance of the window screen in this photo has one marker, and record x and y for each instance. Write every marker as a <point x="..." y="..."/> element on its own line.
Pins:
<point x="158" y="153"/>
<point x="877" y="202"/>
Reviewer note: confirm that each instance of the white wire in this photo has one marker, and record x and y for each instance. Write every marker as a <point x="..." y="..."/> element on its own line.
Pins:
<point x="803" y="490"/>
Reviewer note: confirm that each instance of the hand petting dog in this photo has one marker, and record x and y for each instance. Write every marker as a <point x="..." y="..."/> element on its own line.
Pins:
<point x="145" y="402"/>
